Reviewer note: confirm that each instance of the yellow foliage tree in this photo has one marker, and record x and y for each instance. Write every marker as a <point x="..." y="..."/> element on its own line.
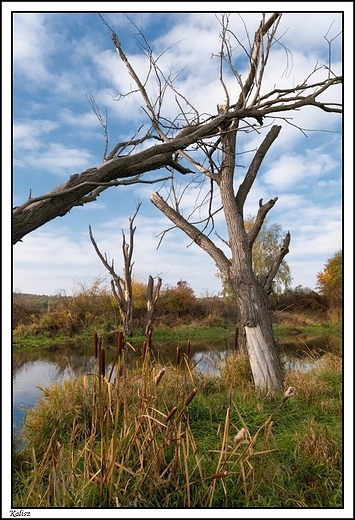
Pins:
<point x="330" y="281"/>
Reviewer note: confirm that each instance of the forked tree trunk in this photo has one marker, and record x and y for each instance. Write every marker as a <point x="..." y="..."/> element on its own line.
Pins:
<point x="252" y="313"/>
<point x="122" y="287"/>
<point x="152" y="297"/>
<point x="250" y="297"/>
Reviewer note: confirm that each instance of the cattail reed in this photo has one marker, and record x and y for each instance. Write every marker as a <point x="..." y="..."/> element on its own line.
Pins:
<point x="191" y="396"/>
<point x="120" y="342"/>
<point x="188" y="346"/>
<point x="178" y="356"/>
<point x="95" y="344"/>
<point x="149" y="339"/>
<point x="236" y="334"/>
<point x="159" y="376"/>
<point x="102" y="362"/>
<point x="144" y="350"/>
<point x="171" y="414"/>
<point x="220" y="474"/>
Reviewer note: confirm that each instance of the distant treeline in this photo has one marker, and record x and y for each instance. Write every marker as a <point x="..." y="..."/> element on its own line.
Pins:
<point x="95" y="306"/>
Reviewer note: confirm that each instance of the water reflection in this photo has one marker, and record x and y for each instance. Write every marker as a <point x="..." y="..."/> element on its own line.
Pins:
<point x="304" y="353"/>
<point x="34" y="369"/>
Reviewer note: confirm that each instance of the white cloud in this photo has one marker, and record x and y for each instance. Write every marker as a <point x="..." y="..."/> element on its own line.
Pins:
<point x="294" y="169"/>
<point x="311" y="30"/>
<point x="86" y="120"/>
<point x="59" y="258"/>
<point x="60" y="159"/>
<point x="28" y="134"/>
<point x="32" y="44"/>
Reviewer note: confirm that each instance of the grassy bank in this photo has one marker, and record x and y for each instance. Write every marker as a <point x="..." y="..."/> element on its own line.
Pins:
<point x="36" y="342"/>
<point x="298" y="324"/>
<point x="171" y="437"/>
<point x="167" y="335"/>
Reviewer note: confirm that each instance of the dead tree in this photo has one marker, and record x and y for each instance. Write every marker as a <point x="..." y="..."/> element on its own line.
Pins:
<point x="207" y="144"/>
<point x="152" y="298"/>
<point x="122" y="286"/>
<point x="219" y="165"/>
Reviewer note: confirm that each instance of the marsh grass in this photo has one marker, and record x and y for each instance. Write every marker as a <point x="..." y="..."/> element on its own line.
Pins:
<point x="202" y="331"/>
<point x="154" y="436"/>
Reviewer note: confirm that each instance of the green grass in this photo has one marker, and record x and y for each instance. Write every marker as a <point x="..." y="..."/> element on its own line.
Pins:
<point x="183" y="333"/>
<point x="165" y="336"/>
<point x="162" y="336"/>
<point x="34" y="342"/>
<point x="130" y="442"/>
<point x="314" y="330"/>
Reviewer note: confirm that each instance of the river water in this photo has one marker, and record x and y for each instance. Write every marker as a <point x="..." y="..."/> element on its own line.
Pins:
<point x="31" y="370"/>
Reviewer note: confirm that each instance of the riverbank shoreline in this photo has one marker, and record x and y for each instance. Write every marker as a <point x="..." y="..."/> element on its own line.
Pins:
<point x="182" y="333"/>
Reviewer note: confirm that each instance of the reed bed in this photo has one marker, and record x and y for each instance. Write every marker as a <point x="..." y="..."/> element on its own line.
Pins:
<point x="153" y="436"/>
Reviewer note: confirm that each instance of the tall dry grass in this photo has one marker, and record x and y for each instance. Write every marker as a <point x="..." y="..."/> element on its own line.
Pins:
<point x="154" y="436"/>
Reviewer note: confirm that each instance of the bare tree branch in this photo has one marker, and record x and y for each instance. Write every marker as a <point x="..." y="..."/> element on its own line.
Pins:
<point x="259" y="220"/>
<point x="102" y="121"/>
<point x="194" y="233"/>
<point x="253" y="169"/>
<point x="254" y="58"/>
<point x="266" y="284"/>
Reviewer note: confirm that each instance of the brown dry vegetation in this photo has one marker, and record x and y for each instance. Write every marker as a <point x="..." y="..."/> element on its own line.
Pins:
<point x="94" y="308"/>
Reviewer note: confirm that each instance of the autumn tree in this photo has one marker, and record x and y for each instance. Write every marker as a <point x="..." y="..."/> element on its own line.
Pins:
<point x="188" y="141"/>
<point x="330" y="281"/>
<point x="178" y="300"/>
<point x="268" y="244"/>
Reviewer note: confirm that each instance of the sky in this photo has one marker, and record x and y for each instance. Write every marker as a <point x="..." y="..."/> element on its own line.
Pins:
<point x="62" y="58"/>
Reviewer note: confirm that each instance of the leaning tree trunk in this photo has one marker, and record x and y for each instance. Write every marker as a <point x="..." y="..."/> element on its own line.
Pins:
<point x="251" y="303"/>
<point x="255" y="330"/>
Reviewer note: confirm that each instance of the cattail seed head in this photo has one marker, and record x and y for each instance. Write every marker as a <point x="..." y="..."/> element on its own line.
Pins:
<point x="191" y="396"/>
<point x="95" y="344"/>
<point x="159" y="376"/>
<point x="221" y="474"/>
<point x="144" y="350"/>
<point x="188" y="346"/>
<point x="241" y="436"/>
<point x="290" y="391"/>
<point x="102" y="362"/>
<point x="178" y="355"/>
<point x="171" y="414"/>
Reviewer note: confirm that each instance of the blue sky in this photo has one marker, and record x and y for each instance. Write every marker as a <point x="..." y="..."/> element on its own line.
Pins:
<point x="60" y="58"/>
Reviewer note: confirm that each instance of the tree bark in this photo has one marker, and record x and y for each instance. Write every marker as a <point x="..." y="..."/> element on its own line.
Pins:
<point x="252" y="308"/>
<point x="152" y="297"/>
<point x="122" y="287"/>
<point x="86" y="186"/>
